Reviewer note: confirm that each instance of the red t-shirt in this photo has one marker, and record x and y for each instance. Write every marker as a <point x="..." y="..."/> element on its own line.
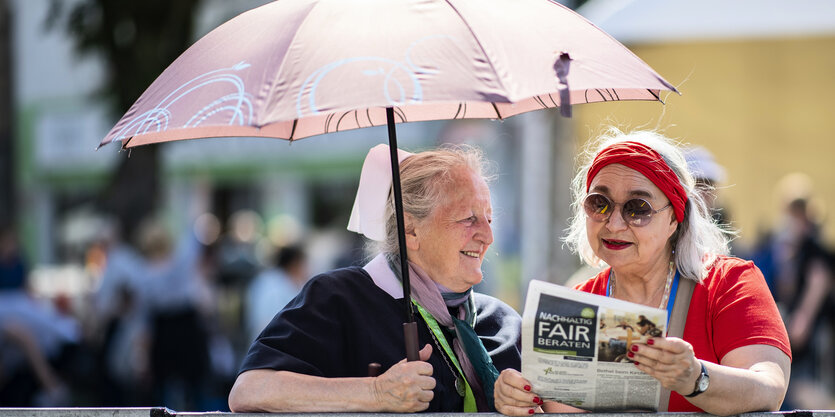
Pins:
<point x="730" y="309"/>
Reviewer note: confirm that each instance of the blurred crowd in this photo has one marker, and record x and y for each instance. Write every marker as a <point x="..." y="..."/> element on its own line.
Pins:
<point x="166" y="322"/>
<point x="799" y="268"/>
<point x="171" y="313"/>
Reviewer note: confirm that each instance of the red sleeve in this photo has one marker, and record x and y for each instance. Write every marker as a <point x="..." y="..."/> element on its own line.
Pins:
<point x="743" y="311"/>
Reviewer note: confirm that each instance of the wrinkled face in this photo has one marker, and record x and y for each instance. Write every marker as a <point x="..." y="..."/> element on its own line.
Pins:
<point x="451" y="242"/>
<point x="628" y="248"/>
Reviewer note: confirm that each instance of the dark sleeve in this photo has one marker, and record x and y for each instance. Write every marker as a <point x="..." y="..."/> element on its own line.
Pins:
<point x="306" y="336"/>
<point x="499" y="327"/>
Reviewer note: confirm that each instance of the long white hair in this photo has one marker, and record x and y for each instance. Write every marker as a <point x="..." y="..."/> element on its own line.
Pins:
<point x="697" y="240"/>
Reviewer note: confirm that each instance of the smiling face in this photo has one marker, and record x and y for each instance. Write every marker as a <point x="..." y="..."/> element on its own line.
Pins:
<point x="628" y="249"/>
<point x="451" y="242"/>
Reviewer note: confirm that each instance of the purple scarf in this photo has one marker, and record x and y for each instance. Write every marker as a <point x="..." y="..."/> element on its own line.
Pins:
<point x="425" y="292"/>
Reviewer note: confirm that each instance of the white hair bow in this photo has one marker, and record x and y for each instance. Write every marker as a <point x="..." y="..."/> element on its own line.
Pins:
<point x="368" y="217"/>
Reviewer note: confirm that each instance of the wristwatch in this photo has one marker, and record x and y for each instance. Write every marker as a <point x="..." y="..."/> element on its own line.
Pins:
<point x="702" y="382"/>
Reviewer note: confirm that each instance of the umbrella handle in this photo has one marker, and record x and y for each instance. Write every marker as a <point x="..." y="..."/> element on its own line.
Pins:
<point x="374" y="369"/>
<point x="410" y="335"/>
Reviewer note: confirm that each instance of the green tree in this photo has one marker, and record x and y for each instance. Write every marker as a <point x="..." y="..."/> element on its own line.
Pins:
<point x="137" y="40"/>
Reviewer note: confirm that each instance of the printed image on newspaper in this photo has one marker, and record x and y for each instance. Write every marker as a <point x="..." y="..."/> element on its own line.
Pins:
<point x="575" y="344"/>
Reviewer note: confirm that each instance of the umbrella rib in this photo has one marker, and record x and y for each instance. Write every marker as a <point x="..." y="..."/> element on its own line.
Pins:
<point x="496" y="108"/>
<point x="480" y="46"/>
<point x="125" y="143"/>
<point x="657" y="97"/>
<point x="293" y="129"/>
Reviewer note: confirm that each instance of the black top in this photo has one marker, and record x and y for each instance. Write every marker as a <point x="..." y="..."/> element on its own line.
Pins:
<point x="341" y="321"/>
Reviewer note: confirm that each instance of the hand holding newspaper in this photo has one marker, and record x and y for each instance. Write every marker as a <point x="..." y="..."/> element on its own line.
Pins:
<point x="575" y="345"/>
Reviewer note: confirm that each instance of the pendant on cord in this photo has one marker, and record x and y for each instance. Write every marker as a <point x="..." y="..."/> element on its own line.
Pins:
<point x="459" y="386"/>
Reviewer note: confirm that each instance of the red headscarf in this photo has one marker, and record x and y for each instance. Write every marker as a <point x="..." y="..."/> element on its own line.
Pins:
<point x="648" y="162"/>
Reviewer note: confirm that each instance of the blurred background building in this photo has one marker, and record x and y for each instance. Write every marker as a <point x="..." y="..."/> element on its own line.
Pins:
<point x="755" y="77"/>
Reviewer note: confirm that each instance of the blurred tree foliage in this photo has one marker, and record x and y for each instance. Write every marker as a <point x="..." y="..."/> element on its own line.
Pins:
<point x="137" y="39"/>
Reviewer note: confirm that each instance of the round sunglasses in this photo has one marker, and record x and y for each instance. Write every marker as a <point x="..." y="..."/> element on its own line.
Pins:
<point x="635" y="212"/>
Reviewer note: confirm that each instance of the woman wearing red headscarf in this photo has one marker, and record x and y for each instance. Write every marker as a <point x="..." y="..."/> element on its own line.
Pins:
<point x="637" y="211"/>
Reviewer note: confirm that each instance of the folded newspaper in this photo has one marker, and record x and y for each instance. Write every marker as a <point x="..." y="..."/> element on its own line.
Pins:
<point x="575" y="344"/>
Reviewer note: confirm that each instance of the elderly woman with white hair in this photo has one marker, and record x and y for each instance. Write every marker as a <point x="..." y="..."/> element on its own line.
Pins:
<point x="637" y="210"/>
<point x="314" y="355"/>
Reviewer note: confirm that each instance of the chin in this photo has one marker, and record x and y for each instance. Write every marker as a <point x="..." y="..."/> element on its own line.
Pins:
<point x="475" y="280"/>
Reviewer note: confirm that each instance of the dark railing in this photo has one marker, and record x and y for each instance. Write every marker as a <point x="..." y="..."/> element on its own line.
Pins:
<point x="165" y="412"/>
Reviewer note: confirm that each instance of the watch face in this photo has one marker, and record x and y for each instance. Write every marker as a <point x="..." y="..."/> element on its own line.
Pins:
<point x="703" y="382"/>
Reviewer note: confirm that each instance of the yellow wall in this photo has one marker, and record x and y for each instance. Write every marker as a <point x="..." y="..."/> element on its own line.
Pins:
<point x="764" y="108"/>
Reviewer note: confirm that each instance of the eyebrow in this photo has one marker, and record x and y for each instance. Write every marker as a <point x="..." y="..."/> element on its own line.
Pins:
<point x="602" y="189"/>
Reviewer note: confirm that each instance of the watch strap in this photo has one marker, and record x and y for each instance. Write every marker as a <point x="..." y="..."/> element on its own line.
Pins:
<point x="697" y="389"/>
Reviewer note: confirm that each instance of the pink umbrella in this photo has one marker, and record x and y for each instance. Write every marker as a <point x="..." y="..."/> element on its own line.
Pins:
<point x="297" y="68"/>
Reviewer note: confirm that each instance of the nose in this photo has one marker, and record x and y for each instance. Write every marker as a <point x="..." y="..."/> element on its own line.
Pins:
<point x="616" y="222"/>
<point x="484" y="233"/>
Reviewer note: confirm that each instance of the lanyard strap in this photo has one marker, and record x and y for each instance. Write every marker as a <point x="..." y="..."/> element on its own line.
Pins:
<point x="469" y="397"/>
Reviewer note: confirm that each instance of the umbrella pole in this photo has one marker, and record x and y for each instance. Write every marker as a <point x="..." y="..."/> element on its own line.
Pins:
<point x="410" y="326"/>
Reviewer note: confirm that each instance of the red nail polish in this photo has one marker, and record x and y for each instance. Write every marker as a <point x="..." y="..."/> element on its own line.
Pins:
<point x="651" y="341"/>
<point x="537" y="400"/>
<point x="630" y="355"/>
<point x="530" y="411"/>
<point x="527" y="387"/>
<point x="634" y="348"/>
<point x="636" y="363"/>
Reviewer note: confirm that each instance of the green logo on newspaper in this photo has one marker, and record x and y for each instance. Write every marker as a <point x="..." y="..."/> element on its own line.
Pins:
<point x="587" y="313"/>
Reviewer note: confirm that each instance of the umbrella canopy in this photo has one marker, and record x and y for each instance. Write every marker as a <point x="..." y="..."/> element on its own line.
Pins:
<point x="297" y="68"/>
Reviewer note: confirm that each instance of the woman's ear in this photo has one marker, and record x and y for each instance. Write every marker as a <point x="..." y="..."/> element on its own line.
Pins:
<point x="412" y="240"/>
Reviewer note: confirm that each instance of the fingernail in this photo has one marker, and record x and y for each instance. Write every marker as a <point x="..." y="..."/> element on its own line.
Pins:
<point x="530" y="411"/>
<point x="630" y="354"/>
<point x="527" y="387"/>
<point x="651" y="342"/>
<point x="634" y="348"/>
<point x="537" y="400"/>
<point x="636" y="363"/>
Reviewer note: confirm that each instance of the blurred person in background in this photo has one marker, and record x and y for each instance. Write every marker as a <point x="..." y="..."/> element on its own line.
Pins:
<point x="176" y="300"/>
<point x="801" y="269"/>
<point x="637" y="208"/>
<point x="274" y="287"/>
<point x="708" y="175"/>
<point x="35" y="339"/>
<point x="314" y="355"/>
<point x="118" y="331"/>
<point x="12" y="267"/>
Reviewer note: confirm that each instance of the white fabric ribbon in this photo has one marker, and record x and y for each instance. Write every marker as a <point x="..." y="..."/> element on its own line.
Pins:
<point x="368" y="217"/>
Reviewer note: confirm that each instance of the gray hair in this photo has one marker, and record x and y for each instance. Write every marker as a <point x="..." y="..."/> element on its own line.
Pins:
<point x="423" y="180"/>
<point x="697" y="240"/>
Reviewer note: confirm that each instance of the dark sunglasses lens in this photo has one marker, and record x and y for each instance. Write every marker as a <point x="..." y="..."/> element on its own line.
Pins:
<point x="597" y="207"/>
<point x="637" y="212"/>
